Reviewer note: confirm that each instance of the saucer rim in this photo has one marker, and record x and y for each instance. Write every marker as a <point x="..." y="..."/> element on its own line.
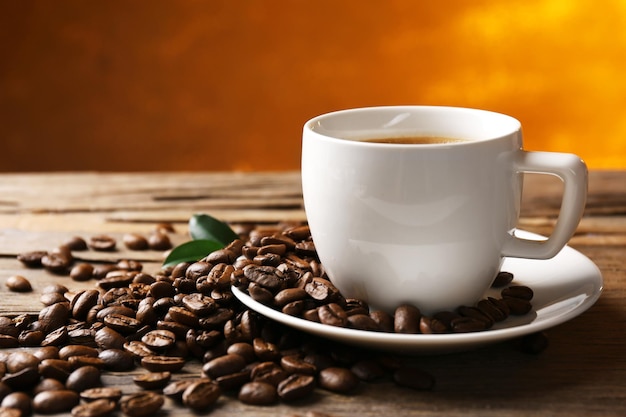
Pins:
<point x="430" y="343"/>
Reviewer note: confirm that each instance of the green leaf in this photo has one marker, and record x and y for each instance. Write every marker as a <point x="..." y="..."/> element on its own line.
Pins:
<point x="191" y="251"/>
<point x="203" y="226"/>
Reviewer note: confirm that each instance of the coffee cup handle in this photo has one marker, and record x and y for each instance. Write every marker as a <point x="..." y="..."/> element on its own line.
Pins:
<point x="573" y="172"/>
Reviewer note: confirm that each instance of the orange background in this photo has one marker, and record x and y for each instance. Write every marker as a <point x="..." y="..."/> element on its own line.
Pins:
<point x="228" y="84"/>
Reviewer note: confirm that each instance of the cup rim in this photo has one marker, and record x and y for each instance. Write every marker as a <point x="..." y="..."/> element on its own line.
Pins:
<point x="316" y="125"/>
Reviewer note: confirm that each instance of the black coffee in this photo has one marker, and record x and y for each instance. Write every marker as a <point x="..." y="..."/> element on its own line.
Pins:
<point x="416" y="140"/>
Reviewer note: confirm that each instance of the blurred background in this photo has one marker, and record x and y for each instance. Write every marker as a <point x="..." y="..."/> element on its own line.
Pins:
<point x="220" y="85"/>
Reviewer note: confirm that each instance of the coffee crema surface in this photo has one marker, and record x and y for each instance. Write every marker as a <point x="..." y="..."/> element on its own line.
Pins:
<point x="414" y="140"/>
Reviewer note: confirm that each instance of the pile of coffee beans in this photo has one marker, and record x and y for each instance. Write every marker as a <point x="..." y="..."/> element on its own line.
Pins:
<point x="164" y="320"/>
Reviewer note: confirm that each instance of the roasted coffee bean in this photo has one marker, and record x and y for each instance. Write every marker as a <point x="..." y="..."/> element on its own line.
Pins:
<point x="226" y="256"/>
<point x="268" y="372"/>
<point x="383" y="320"/>
<point x="116" y="360"/>
<point x="258" y="393"/>
<point x="55" y="368"/>
<point x="294" y="364"/>
<point x="183" y="316"/>
<point x="82" y="302"/>
<point x="266" y="276"/>
<point x="306" y="248"/>
<point x="264" y="350"/>
<point x="83" y="378"/>
<point x="100" y="393"/>
<point x="116" y="279"/>
<point x="16" y="361"/>
<point x="107" y="338"/>
<point x="18" y="283"/>
<point x="295" y="387"/>
<point x="295" y="308"/>
<point x="362" y="322"/>
<point x="97" y="408"/>
<point x="199" y="304"/>
<point x="162" y="289"/>
<point x="298" y="233"/>
<point x="30" y="337"/>
<point x="32" y="259"/>
<point x="234" y="381"/>
<point x="477" y="314"/>
<point x="159" y="339"/>
<point x="82" y="272"/>
<point x="260" y="294"/>
<point x="223" y="365"/>
<point x="495" y="309"/>
<point x="52" y="298"/>
<point x="22" y="380"/>
<point x="141" y="404"/>
<point x="77" y="350"/>
<point x="518" y="291"/>
<point x="54" y="316"/>
<point x="80" y="361"/>
<point x="467" y="325"/>
<point x="159" y="241"/>
<point x="138" y="349"/>
<point x="53" y="402"/>
<point x="152" y="380"/>
<point x="289" y="295"/>
<point x="102" y="243"/>
<point x="414" y="378"/>
<point x="100" y="271"/>
<point x="243" y="349"/>
<point x="332" y="314"/>
<point x="517" y="306"/>
<point x="47" y="384"/>
<point x="18" y="400"/>
<point x="502" y="279"/>
<point x="121" y="323"/>
<point x="432" y="326"/>
<point x="163" y="363"/>
<point x="339" y="380"/>
<point x="407" y="319"/>
<point x="321" y="289"/>
<point x="75" y="243"/>
<point x="57" y="263"/>
<point x="7" y="341"/>
<point x="134" y="241"/>
<point x="201" y="394"/>
<point x="175" y="390"/>
<point x="129" y="265"/>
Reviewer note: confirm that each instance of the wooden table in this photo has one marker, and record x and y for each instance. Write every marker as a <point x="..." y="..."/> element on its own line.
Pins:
<point x="583" y="372"/>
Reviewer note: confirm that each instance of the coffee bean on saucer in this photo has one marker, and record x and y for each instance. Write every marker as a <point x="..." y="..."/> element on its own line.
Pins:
<point x="407" y="319"/>
<point x="518" y="291"/>
<point x="502" y="279"/>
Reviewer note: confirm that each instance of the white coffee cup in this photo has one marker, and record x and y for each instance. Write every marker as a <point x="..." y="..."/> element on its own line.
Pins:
<point x="425" y="224"/>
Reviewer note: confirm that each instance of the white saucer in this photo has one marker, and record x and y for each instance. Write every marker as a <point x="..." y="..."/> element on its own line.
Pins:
<point x="564" y="287"/>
